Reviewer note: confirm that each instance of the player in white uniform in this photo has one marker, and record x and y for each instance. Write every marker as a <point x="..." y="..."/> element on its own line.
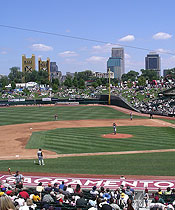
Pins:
<point x="115" y="128"/>
<point x="40" y="157"/>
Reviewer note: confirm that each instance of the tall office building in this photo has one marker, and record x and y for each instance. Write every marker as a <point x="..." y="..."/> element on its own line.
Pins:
<point x="116" y="63"/>
<point x="53" y="67"/>
<point x="152" y="62"/>
<point x="54" y="73"/>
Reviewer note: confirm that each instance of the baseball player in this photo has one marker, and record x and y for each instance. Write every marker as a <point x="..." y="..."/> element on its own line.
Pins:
<point x="130" y="115"/>
<point x="40" y="157"/>
<point x="115" y="128"/>
<point x="19" y="179"/>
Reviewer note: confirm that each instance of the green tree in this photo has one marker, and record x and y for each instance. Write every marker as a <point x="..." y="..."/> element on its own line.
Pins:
<point x="131" y="75"/>
<point x="13" y="85"/>
<point x="85" y="75"/>
<point x="4" y="81"/>
<point x="43" y="77"/>
<point x="99" y="82"/>
<point x="55" y="81"/>
<point x="81" y="84"/>
<point x="68" y="81"/>
<point x="75" y="82"/>
<point x="141" y="81"/>
<point x="149" y="74"/>
<point x="95" y="84"/>
<point x="34" y="76"/>
<point x="129" y="84"/>
<point x="55" y="88"/>
<point x="26" y="92"/>
<point x="170" y="73"/>
<point x="15" y="75"/>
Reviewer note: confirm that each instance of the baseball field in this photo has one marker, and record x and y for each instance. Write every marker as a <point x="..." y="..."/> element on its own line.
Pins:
<point x="81" y="141"/>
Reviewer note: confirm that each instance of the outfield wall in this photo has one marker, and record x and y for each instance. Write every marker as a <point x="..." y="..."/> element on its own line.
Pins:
<point x="86" y="183"/>
<point x="14" y="102"/>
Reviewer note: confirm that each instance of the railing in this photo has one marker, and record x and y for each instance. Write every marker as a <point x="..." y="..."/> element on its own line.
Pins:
<point x="139" y="202"/>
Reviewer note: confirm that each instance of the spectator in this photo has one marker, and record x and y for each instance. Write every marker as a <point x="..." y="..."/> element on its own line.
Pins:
<point x="113" y="205"/>
<point x="47" y="198"/>
<point x="24" y="194"/>
<point x="65" y="192"/>
<point x="70" y="189"/>
<point x="40" y="187"/>
<point x="168" y="191"/>
<point x="93" y="201"/>
<point x="55" y="188"/>
<point x="30" y="204"/>
<point x="49" y="188"/>
<point x="36" y="197"/>
<point x="78" y="189"/>
<point x="61" y="186"/>
<point x="129" y="205"/>
<point x="81" y="201"/>
<point x="146" y="197"/>
<point x="94" y="192"/>
<point x="20" y="201"/>
<point x="107" y="194"/>
<point x="102" y="192"/>
<point x="6" y="203"/>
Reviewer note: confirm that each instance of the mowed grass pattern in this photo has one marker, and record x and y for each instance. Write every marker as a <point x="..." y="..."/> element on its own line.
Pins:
<point x="85" y="140"/>
<point x="161" y="164"/>
<point x="18" y="115"/>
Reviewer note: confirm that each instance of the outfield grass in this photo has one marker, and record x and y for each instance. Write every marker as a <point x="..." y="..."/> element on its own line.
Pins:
<point x="167" y="120"/>
<point x="17" y="115"/>
<point x="85" y="140"/>
<point x="82" y="140"/>
<point x="161" y="164"/>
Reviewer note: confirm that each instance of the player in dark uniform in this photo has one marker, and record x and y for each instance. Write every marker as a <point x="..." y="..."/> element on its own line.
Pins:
<point x="115" y="128"/>
<point x="130" y="115"/>
<point x="56" y="116"/>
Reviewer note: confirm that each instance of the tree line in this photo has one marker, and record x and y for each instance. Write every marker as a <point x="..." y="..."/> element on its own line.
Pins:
<point x="79" y="80"/>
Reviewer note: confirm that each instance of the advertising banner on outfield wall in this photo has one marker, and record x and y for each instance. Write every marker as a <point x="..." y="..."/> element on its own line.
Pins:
<point x="90" y="182"/>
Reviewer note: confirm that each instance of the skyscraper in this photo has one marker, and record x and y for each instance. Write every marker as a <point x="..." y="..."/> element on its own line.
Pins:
<point x="152" y="62"/>
<point x="116" y="62"/>
<point x="54" y="73"/>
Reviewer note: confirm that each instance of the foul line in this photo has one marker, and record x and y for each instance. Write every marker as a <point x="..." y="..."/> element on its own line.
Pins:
<point x="90" y="154"/>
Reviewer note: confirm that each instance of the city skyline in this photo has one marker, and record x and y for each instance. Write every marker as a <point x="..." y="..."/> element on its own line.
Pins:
<point x="116" y="63"/>
<point x="91" y="20"/>
<point x="153" y="62"/>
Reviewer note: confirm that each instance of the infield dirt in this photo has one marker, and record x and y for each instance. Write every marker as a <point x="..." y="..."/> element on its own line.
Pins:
<point x="14" y="137"/>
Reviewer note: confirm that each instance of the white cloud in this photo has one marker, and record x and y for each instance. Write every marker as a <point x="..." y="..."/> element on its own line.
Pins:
<point x="97" y="47"/>
<point x="70" y="60"/>
<point x="3" y="52"/>
<point x="103" y="48"/>
<point x="68" y="54"/>
<point x="162" y="35"/>
<point x="127" y="56"/>
<point x="127" y="38"/>
<point x="168" y="62"/>
<point x="41" y="47"/>
<point x="161" y="50"/>
<point x="96" y="59"/>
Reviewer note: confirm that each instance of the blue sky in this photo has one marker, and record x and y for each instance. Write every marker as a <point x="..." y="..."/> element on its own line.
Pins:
<point x="141" y="23"/>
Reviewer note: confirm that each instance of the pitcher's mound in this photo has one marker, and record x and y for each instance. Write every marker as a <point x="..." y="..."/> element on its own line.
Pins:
<point x="117" y="136"/>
